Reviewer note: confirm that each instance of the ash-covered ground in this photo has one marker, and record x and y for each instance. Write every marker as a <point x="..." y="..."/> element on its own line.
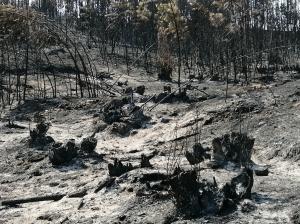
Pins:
<point x="130" y="127"/>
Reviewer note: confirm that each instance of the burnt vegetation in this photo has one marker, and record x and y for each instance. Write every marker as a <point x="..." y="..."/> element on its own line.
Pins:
<point x="180" y="110"/>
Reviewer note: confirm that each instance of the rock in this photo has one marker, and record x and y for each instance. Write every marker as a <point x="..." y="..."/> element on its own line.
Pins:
<point x="197" y="155"/>
<point x="88" y="144"/>
<point x="140" y="89"/>
<point x="62" y="153"/>
<point x="117" y="168"/>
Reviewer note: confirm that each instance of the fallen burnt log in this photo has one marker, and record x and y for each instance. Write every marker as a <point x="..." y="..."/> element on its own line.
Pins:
<point x="52" y="197"/>
<point x="14" y="202"/>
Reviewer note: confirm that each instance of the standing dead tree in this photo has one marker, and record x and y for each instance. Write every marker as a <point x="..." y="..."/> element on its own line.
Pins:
<point x="32" y="48"/>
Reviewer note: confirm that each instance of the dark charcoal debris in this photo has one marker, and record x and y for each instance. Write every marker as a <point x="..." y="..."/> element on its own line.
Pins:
<point x="246" y="107"/>
<point x="145" y="161"/>
<point x="165" y="72"/>
<point x="167" y="89"/>
<point x="295" y="216"/>
<point x="260" y="170"/>
<point x="40" y="130"/>
<point x="112" y="116"/>
<point x="163" y="98"/>
<point x="62" y="153"/>
<point x="122" y="83"/>
<point x="165" y="120"/>
<point x="140" y="89"/>
<point x="103" y="75"/>
<point x="195" y="198"/>
<point x="150" y="177"/>
<point x="105" y="183"/>
<point x="32" y="156"/>
<point x="38" y="135"/>
<point x="117" y="169"/>
<point x="240" y="186"/>
<point x="78" y="194"/>
<point x="123" y="116"/>
<point x="197" y="155"/>
<point x="49" y="217"/>
<point x="247" y="206"/>
<point x="36" y="173"/>
<point x="166" y="97"/>
<point x="119" y="128"/>
<point x="186" y="192"/>
<point x="213" y="200"/>
<point x="88" y="144"/>
<point x="134" y="119"/>
<point x="128" y="90"/>
<point x="112" y="111"/>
